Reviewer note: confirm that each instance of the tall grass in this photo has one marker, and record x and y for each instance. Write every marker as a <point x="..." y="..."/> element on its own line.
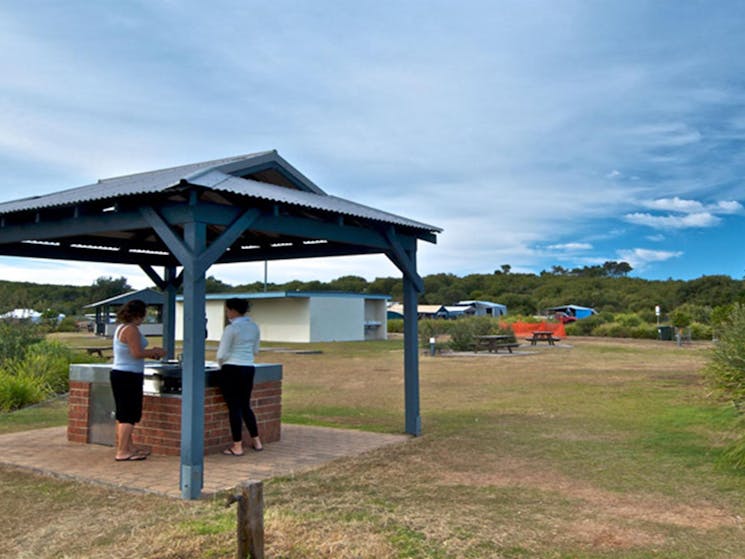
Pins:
<point x="31" y="368"/>
<point x="15" y="339"/>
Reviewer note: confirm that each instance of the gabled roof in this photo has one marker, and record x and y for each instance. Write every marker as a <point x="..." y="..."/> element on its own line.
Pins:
<point x="573" y="307"/>
<point x="421" y="309"/>
<point x="265" y="175"/>
<point x="147" y="295"/>
<point x="458" y="308"/>
<point x="483" y="304"/>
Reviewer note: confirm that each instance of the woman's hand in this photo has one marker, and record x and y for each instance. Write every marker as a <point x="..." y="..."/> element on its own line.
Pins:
<point x="156" y="353"/>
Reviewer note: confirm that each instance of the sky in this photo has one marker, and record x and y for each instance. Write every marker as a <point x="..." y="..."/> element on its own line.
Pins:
<point x="535" y="133"/>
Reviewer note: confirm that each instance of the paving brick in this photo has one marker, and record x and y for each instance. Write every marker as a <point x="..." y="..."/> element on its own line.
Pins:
<point x="302" y="448"/>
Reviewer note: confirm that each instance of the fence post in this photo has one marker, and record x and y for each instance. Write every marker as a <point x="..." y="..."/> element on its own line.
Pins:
<point x="250" y="522"/>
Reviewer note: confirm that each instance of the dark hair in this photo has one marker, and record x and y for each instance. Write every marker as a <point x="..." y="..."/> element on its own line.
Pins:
<point x="240" y="306"/>
<point x="130" y="310"/>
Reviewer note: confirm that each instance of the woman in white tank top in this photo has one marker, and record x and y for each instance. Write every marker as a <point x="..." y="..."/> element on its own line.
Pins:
<point x="127" y="377"/>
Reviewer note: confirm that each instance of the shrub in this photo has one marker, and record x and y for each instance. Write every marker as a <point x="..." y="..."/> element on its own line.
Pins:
<point x="15" y="338"/>
<point x="725" y="372"/>
<point x="431" y="328"/>
<point x="396" y="325"/>
<point x="585" y="326"/>
<point x="629" y="320"/>
<point x="644" y="331"/>
<point x="726" y="367"/>
<point x="700" y="331"/>
<point x="464" y="331"/>
<point x="42" y="372"/>
<point x="461" y="338"/>
<point x="49" y="361"/>
<point x="17" y="391"/>
<point x="67" y="324"/>
<point x="612" y="330"/>
<point x="681" y="318"/>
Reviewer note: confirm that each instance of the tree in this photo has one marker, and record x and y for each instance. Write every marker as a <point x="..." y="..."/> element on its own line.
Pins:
<point x="711" y="290"/>
<point x="351" y="284"/>
<point x="106" y="287"/>
<point x="214" y="285"/>
<point x="680" y="318"/>
<point x="615" y="269"/>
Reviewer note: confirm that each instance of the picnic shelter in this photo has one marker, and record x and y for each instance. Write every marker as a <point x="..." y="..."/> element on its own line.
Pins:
<point x="182" y="220"/>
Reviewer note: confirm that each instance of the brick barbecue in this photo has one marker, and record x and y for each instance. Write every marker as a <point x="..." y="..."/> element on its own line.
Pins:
<point x="90" y="407"/>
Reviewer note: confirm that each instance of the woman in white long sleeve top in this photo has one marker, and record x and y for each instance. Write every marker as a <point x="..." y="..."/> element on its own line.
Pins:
<point x="238" y="345"/>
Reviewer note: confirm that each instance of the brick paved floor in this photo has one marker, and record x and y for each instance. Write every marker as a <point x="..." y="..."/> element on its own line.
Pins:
<point x="301" y="448"/>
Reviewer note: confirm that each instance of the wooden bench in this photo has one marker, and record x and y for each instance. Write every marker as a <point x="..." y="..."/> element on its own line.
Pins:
<point x="508" y="346"/>
<point x="495" y="343"/>
<point x="542" y="336"/>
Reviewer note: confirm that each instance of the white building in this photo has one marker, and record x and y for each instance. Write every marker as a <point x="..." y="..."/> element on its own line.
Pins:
<point x="301" y="316"/>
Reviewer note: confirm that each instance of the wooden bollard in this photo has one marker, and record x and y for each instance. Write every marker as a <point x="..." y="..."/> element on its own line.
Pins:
<point x="250" y="526"/>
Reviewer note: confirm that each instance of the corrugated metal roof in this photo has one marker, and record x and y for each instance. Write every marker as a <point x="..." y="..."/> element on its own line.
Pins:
<point x="127" y="185"/>
<point x="216" y="180"/>
<point x="209" y="174"/>
<point x="149" y="296"/>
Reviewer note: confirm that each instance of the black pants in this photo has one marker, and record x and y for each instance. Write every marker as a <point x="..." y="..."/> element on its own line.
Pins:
<point x="127" y="389"/>
<point x="236" y="384"/>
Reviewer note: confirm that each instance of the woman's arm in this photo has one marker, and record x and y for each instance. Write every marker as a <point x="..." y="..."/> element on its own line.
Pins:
<point x="130" y="335"/>
<point x="226" y="345"/>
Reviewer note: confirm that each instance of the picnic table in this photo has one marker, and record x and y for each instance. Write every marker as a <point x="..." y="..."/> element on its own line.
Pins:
<point x="98" y="350"/>
<point x="495" y="342"/>
<point x="542" y="336"/>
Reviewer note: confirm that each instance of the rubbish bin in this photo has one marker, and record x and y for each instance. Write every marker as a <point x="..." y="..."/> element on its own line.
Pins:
<point x="665" y="333"/>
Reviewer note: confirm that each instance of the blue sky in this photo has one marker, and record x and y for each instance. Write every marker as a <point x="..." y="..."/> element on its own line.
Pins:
<point x="535" y="133"/>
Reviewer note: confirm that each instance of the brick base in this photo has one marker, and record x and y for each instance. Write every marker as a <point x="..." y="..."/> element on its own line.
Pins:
<point x="78" y="406"/>
<point x="160" y="428"/>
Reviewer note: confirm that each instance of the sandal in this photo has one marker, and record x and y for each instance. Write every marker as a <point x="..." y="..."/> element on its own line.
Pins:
<point x="230" y="452"/>
<point x="132" y="458"/>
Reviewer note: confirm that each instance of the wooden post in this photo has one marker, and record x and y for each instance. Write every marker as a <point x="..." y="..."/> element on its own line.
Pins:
<point x="250" y="524"/>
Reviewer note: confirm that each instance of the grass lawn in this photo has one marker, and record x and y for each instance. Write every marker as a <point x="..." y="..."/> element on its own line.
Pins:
<point x="605" y="449"/>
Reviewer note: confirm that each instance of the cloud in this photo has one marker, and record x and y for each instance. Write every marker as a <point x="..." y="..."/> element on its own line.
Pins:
<point x="571" y="246"/>
<point x="682" y="205"/>
<point x="683" y="213"/>
<point x="68" y="273"/>
<point x="729" y="207"/>
<point x="639" y="258"/>
<point x="697" y="220"/>
<point x="674" y="204"/>
<point x="666" y="135"/>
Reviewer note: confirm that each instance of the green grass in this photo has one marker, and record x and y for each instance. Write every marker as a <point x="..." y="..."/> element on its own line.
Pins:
<point x="610" y="449"/>
<point x="47" y="414"/>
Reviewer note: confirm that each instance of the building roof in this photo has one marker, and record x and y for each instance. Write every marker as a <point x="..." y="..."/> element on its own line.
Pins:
<point x="265" y="175"/>
<point x="147" y="295"/>
<point x="574" y="307"/>
<point x="420" y="309"/>
<point x="483" y="304"/>
<point x="255" y="207"/>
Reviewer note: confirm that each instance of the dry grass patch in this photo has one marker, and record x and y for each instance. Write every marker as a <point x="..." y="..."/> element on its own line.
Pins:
<point x="605" y="449"/>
